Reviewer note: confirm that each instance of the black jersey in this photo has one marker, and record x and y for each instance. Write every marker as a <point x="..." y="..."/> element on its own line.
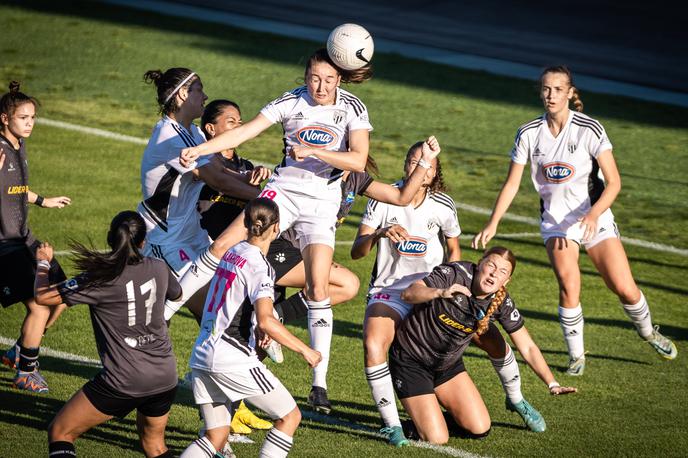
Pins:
<point x="355" y="184"/>
<point x="14" y="208"/>
<point x="437" y="333"/>
<point x="129" y="326"/>
<point x="219" y="210"/>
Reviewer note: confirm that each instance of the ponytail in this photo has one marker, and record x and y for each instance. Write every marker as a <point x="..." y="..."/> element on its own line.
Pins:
<point x="259" y="215"/>
<point x="127" y="232"/>
<point x="168" y="84"/>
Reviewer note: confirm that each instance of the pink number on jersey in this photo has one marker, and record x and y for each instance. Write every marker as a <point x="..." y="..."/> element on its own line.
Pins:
<point x="183" y="256"/>
<point x="228" y="277"/>
<point x="269" y="194"/>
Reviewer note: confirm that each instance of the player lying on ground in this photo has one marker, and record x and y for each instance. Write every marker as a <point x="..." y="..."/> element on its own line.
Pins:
<point x="126" y="295"/>
<point x="454" y="302"/>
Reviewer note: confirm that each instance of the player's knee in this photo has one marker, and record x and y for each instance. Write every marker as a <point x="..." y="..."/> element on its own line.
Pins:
<point x="348" y="283"/>
<point x="375" y="351"/>
<point x="435" y="437"/>
<point x="318" y="292"/>
<point x="628" y="294"/>
<point x="290" y="421"/>
<point x="57" y="431"/>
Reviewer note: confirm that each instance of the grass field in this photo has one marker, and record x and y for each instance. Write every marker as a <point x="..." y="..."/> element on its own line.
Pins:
<point x="85" y="63"/>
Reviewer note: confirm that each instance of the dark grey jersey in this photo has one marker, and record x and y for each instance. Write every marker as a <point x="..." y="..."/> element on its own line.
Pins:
<point x="129" y="327"/>
<point x="437" y="333"/>
<point x="355" y="184"/>
<point x="14" y="208"/>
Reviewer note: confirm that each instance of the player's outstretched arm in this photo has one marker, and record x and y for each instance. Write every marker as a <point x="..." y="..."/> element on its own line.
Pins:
<point x="43" y="292"/>
<point x="368" y="236"/>
<point x="504" y="199"/>
<point x="402" y="196"/>
<point x="354" y="159"/>
<point x="268" y="324"/>
<point x="48" y="202"/>
<point x="531" y="353"/>
<point x="419" y="292"/>
<point x="227" y="181"/>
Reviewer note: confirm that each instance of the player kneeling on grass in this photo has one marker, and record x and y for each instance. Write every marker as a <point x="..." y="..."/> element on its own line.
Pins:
<point x="238" y="314"/>
<point x="126" y="293"/>
<point x="459" y="300"/>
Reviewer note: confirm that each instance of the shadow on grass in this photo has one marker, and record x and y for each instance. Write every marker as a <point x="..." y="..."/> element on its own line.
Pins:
<point x="261" y="46"/>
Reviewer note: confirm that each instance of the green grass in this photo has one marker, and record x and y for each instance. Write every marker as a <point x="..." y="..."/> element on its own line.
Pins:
<point x="85" y="63"/>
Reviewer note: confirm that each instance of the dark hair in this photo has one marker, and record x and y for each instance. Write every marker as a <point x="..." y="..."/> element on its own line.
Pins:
<point x="127" y="232"/>
<point x="348" y="76"/>
<point x="213" y="110"/>
<point x="501" y="294"/>
<point x="167" y="83"/>
<point x="371" y="166"/>
<point x="563" y="69"/>
<point x="259" y="215"/>
<point x="437" y="184"/>
<point x="12" y="99"/>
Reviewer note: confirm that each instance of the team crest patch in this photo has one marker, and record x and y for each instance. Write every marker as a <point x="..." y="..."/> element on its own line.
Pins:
<point x="558" y="172"/>
<point x="338" y="116"/>
<point x="572" y="148"/>
<point x="515" y="315"/>
<point x="316" y="136"/>
<point x="72" y="284"/>
<point x="413" y="247"/>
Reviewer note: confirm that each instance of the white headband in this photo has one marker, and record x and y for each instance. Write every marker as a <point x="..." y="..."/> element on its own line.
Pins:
<point x="179" y="86"/>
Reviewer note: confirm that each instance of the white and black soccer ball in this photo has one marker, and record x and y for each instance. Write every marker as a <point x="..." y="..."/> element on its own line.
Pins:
<point x="350" y="46"/>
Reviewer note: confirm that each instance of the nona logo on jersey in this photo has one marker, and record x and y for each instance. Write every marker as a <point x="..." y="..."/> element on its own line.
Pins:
<point x="558" y="172"/>
<point x="316" y="136"/>
<point x="414" y="246"/>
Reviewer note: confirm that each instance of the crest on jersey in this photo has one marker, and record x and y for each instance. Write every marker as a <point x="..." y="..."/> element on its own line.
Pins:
<point x="338" y="116"/>
<point x="431" y="225"/>
<point x="558" y="172"/>
<point x="572" y="147"/>
<point x="316" y="136"/>
<point x="413" y="247"/>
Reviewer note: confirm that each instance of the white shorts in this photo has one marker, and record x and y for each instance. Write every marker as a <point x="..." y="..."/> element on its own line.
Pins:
<point x="606" y="229"/>
<point x="179" y="257"/>
<point x="392" y="299"/>
<point x="311" y="219"/>
<point x="253" y="383"/>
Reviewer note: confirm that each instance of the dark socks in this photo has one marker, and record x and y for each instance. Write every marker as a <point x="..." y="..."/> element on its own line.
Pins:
<point x="28" y="358"/>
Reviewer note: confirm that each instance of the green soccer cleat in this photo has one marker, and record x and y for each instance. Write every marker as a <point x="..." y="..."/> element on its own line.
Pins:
<point x="663" y="346"/>
<point x="395" y="436"/>
<point x="530" y="416"/>
<point x="576" y="366"/>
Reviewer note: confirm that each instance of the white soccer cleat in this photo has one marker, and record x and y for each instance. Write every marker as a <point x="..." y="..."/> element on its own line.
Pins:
<point x="663" y="346"/>
<point x="576" y="366"/>
<point x="274" y="351"/>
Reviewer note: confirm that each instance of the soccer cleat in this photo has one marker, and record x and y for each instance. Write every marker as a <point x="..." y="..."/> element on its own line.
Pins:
<point x="239" y="439"/>
<point x="318" y="400"/>
<point x="576" y="366"/>
<point x="530" y="416"/>
<point x="274" y="351"/>
<point x="30" y="381"/>
<point x="663" y="346"/>
<point x="237" y="427"/>
<point x="244" y="416"/>
<point x="395" y="436"/>
<point x="11" y="357"/>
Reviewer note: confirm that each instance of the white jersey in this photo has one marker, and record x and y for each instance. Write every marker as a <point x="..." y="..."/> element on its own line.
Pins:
<point x="227" y="336"/>
<point x="564" y="169"/>
<point x="399" y="264"/>
<point x="169" y="190"/>
<point x="315" y="126"/>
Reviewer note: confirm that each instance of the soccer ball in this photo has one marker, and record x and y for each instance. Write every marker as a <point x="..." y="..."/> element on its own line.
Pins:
<point x="350" y="46"/>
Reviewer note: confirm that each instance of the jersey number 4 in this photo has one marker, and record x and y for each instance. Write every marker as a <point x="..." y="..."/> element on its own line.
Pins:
<point x="148" y="287"/>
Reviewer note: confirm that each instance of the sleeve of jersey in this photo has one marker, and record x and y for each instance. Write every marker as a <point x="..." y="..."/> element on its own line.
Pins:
<point x="449" y="221"/>
<point x="363" y="180"/>
<point x="509" y="317"/>
<point x="601" y="144"/>
<point x="373" y="214"/>
<point x="172" y="145"/>
<point x="360" y="121"/>
<point x="73" y="291"/>
<point x="442" y="276"/>
<point x="260" y="285"/>
<point x="276" y="111"/>
<point x="519" y="153"/>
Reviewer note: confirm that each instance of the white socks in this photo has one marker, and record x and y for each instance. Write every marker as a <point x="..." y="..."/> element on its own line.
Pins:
<point x="320" y="330"/>
<point x="571" y="321"/>
<point x="276" y="444"/>
<point x="509" y="375"/>
<point x="195" y="278"/>
<point x="380" y="382"/>
<point x="640" y="316"/>
<point x="200" y="448"/>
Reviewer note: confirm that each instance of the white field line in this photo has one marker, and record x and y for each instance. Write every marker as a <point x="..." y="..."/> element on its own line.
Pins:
<point x="463" y="206"/>
<point x="442" y="449"/>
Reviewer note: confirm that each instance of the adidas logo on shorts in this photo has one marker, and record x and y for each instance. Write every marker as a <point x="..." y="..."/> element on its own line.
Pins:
<point x="321" y="323"/>
<point x="383" y="403"/>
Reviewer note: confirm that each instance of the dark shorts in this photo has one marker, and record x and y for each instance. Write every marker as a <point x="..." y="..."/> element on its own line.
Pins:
<point x="112" y="402"/>
<point x="283" y="256"/>
<point x="17" y="273"/>
<point x="413" y="379"/>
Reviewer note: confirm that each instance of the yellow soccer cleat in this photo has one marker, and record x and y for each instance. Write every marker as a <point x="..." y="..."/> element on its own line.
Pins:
<point x="244" y="420"/>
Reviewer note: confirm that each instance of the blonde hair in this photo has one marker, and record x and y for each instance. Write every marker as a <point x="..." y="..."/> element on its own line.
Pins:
<point x="497" y="300"/>
<point x="563" y="69"/>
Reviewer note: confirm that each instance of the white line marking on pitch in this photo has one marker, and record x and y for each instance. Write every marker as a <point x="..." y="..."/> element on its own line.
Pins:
<point x="463" y="206"/>
<point x="443" y="449"/>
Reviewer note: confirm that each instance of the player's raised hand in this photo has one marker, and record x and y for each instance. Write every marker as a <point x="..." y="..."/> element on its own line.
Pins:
<point x="430" y="148"/>
<point x="395" y="233"/>
<point x="259" y="174"/>
<point x="56" y="202"/>
<point x="453" y="290"/>
<point x="483" y="237"/>
<point x="188" y="156"/>
<point x="312" y="357"/>
<point x="44" y="252"/>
